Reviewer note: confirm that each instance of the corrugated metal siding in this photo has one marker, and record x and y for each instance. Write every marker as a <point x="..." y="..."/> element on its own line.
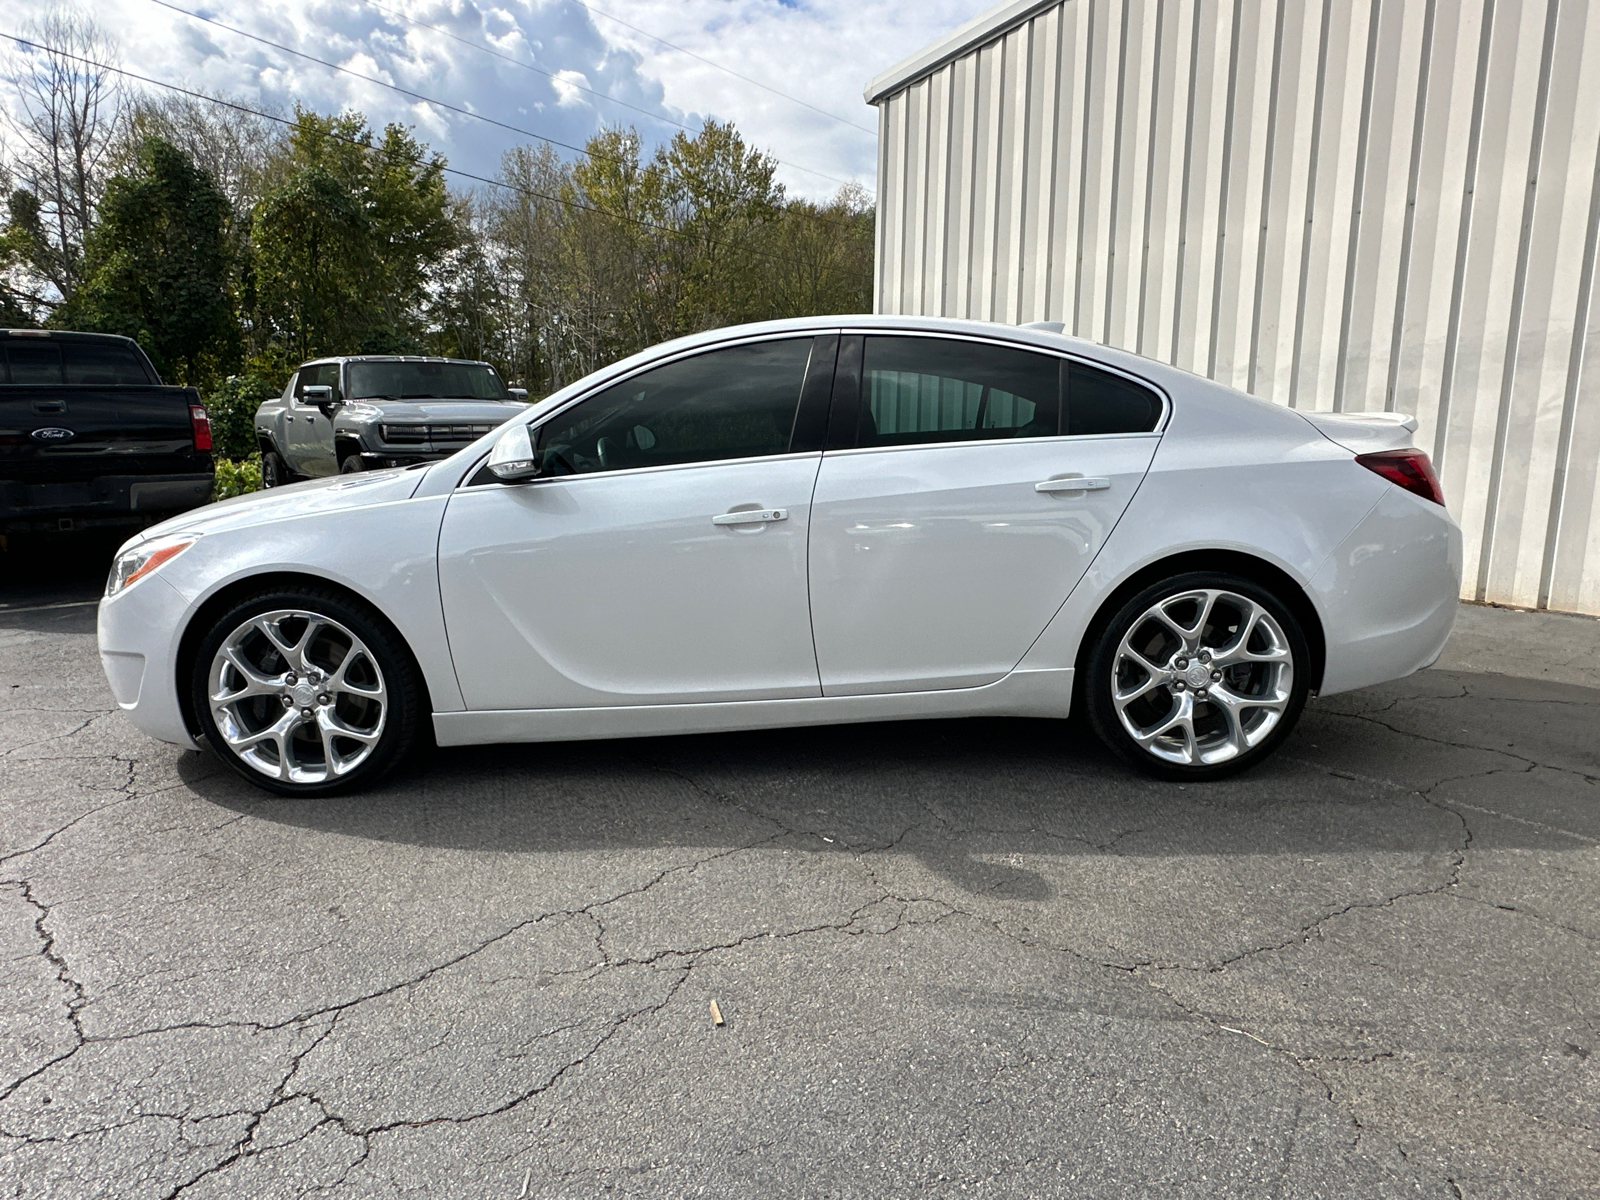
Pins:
<point x="1334" y="204"/>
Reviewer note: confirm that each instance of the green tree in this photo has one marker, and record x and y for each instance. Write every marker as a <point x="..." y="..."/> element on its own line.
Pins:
<point x="158" y="267"/>
<point x="722" y="202"/>
<point x="346" y="244"/>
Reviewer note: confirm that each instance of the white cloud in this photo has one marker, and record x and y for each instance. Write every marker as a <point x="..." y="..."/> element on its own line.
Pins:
<point x="822" y="51"/>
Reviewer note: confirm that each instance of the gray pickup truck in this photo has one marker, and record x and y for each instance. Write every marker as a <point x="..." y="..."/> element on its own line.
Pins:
<point x="345" y="414"/>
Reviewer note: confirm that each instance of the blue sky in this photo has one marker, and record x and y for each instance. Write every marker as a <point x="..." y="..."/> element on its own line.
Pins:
<point x="822" y="51"/>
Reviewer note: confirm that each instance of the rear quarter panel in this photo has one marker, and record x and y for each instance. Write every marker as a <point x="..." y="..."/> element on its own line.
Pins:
<point x="1231" y="473"/>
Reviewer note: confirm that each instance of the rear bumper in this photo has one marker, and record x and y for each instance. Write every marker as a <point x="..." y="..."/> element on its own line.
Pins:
<point x="120" y="497"/>
<point x="138" y="634"/>
<point x="1388" y="595"/>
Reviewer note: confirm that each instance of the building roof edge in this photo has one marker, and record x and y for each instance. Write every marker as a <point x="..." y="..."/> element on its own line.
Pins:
<point x="981" y="29"/>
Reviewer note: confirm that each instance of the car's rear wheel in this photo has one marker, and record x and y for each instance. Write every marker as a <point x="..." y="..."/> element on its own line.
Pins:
<point x="306" y="692"/>
<point x="1198" y="676"/>
<point x="273" y="471"/>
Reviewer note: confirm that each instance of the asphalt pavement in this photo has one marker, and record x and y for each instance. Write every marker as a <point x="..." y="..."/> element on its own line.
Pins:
<point x="952" y="958"/>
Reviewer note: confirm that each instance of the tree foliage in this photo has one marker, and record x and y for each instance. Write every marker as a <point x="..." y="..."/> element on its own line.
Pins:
<point x="233" y="247"/>
<point x="158" y="266"/>
<point x="347" y="245"/>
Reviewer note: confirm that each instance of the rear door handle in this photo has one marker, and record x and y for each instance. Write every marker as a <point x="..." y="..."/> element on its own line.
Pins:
<point x="751" y="516"/>
<point x="1076" y="483"/>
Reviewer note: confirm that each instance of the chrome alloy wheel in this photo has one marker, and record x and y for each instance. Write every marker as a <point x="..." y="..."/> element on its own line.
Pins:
<point x="1202" y="676"/>
<point x="297" y="696"/>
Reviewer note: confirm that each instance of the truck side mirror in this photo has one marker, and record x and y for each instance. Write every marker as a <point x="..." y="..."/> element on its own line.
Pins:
<point x="320" y="395"/>
<point x="520" y="394"/>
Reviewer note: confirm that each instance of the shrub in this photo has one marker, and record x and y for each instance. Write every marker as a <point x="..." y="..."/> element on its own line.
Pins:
<point x="235" y="478"/>
<point x="232" y="405"/>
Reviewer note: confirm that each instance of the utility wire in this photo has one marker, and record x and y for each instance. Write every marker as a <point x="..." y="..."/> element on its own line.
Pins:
<point x="29" y="44"/>
<point x="426" y="99"/>
<point x="729" y="70"/>
<point x="517" y="62"/>
<point x="580" y="87"/>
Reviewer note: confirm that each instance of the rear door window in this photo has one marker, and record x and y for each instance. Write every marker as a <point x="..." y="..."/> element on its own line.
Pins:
<point x="102" y="364"/>
<point x="920" y="390"/>
<point x="36" y="365"/>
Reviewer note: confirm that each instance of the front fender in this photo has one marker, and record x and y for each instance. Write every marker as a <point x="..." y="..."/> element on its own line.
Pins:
<point x="384" y="551"/>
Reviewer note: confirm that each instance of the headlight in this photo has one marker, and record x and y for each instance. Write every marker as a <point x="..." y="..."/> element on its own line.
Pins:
<point x="133" y="565"/>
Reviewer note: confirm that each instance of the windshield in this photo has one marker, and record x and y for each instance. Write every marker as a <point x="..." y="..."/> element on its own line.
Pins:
<point x="425" y="381"/>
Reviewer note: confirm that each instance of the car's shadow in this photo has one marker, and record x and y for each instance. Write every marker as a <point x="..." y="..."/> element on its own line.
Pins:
<point x="965" y="796"/>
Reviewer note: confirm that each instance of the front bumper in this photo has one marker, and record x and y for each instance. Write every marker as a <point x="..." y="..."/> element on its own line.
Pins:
<point x="109" y="499"/>
<point x="139" y="631"/>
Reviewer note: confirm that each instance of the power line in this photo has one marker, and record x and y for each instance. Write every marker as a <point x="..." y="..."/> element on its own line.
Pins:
<point x="394" y="87"/>
<point x="517" y="62"/>
<point x="729" y="70"/>
<point x="29" y="44"/>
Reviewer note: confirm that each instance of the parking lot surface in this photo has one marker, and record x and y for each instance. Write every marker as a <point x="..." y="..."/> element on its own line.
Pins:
<point x="952" y="958"/>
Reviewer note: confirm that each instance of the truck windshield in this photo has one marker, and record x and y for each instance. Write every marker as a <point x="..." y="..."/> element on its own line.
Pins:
<point x="424" y="381"/>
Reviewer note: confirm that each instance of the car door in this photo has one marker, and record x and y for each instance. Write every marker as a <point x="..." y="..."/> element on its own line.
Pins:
<point x="966" y="488"/>
<point x="308" y="433"/>
<point x="661" y="555"/>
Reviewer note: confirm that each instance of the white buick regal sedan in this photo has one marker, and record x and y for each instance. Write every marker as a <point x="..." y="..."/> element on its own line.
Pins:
<point x="800" y="523"/>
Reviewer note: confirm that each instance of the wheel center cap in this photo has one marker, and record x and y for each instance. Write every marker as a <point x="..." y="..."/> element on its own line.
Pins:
<point x="303" y="694"/>
<point x="1198" y="675"/>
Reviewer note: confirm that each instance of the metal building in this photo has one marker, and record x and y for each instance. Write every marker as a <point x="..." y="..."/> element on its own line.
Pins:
<point x="1333" y="204"/>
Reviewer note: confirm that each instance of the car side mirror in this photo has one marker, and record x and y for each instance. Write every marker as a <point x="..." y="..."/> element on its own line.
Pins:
<point x="320" y="395"/>
<point x="519" y="394"/>
<point x="513" y="459"/>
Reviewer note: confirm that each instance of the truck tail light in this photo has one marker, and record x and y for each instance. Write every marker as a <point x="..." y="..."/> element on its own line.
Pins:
<point x="1407" y="468"/>
<point x="201" y="424"/>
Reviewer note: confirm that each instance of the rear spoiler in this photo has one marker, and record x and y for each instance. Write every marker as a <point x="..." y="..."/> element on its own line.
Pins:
<point x="1363" y="433"/>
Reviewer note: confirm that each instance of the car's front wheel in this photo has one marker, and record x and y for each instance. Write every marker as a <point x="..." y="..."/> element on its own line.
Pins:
<point x="306" y="692"/>
<point x="1198" y="676"/>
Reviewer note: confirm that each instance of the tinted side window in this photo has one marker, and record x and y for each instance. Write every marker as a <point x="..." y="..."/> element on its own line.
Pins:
<point x="101" y="364"/>
<point x="733" y="403"/>
<point x="1100" y="402"/>
<point x="38" y="365"/>
<point x="322" y="374"/>
<point x="920" y="390"/>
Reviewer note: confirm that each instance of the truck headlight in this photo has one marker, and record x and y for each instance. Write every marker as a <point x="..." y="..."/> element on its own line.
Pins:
<point x="133" y="565"/>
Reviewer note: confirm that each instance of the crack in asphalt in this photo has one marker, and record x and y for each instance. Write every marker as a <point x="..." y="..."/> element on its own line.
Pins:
<point x="679" y="963"/>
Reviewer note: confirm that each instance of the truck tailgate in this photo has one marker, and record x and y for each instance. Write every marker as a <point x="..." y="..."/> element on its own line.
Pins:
<point x="67" y="434"/>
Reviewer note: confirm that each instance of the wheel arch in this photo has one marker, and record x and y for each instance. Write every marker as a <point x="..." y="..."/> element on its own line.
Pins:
<point x="345" y="445"/>
<point x="1259" y="571"/>
<point x="232" y="593"/>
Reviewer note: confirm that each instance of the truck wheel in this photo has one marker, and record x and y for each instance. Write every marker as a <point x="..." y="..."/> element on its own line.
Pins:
<point x="273" y="472"/>
<point x="351" y="465"/>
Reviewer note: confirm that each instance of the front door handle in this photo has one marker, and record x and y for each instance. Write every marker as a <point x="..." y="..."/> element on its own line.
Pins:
<point x="1074" y="483"/>
<point x="751" y="516"/>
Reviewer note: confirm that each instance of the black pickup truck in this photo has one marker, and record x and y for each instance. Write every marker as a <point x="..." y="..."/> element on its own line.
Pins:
<point x="90" y="437"/>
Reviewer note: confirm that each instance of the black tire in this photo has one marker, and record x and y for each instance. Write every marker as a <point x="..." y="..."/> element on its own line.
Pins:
<point x="1214" y="745"/>
<point x="351" y="465"/>
<point x="392" y="725"/>
<point x="274" y="473"/>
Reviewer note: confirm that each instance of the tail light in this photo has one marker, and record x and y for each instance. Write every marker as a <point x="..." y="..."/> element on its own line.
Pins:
<point x="201" y="424"/>
<point x="1408" y="468"/>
